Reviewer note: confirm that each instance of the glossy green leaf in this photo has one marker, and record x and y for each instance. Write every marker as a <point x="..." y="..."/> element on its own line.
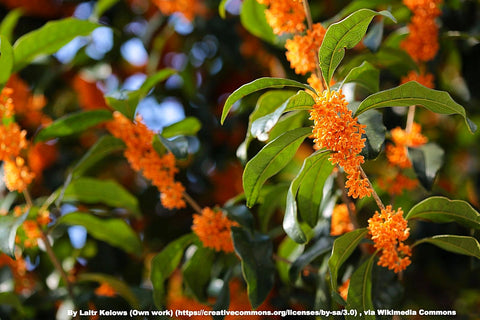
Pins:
<point x="9" y="23"/>
<point x="73" y="123"/>
<point x="125" y="102"/>
<point x="240" y="214"/>
<point x="374" y="134"/>
<point x="360" y="290"/>
<point x="343" y="247"/>
<point x="270" y="160"/>
<point x="113" y="231"/>
<point x="48" y="39"/>
<point x="465" y="245"/>
<point x="344" y="34"/>
<point x="300" y="101"/>
<point x="104" y="146"/>
<point x="6" y="60"/>
<point x="272" y="199"/>
<point x="443" y="210"/>
<point x="8" y="230"/>
<point x="177" y="145"/>
<point x="258" y="268"/>
<point x="164" y="263"/>
<point x="102" y="6"/>
<point x="413" y="93"/>
<point x="366" y="75"/>
<point x="317" y="249"/>
<point x="288" y="250"/>
<point x="120" y="287"/>
<point x="257" y="85"/>
<point x="109" y="192"/>
<point x="253" y="19"/>
<point x="426" y="161"/>
<point x="197" y="270"/>
<point x="186" y="127"/>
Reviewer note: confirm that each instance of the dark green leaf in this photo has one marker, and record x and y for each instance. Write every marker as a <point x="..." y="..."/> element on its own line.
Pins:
<point x="374" y="134"/>
<point x="253" y="19"/>
<point x="6" y="60"/>
<point x="360" y="290"/>
<point x="366" y="75"/>
<point x="154" y="79"/>
<point x="48" y="39"/>
<point x="124" y="102"/>
<point x="240" y="214"/>
<point x="109" y="192"/>
<point x="270" y="160"/>
<point x="186" y="127"/>
<point x="258" y="269"/>
<point x="223" y="299"/>
<point x="344" y="34"/>
<point x="8" y="230"/>
<point x="102" y="6"/>
<point x="104" y="146"/>
<point x="11" y="299"/>
<point x="468" y="246"/>
<point x="113" y="231"/>
<point x="413" y="93"/>
<point x="443" y="210"/>
<point x="164" y="263"/>
<point x="426" y="161"/>
<point x="289" y="250"/>
<point x="178" y="146"/>
<point x="319" y="248"/>
<point x="300" y="101"/>
<point x="120" y="287"/>
<point x="342" y="249"/>
<point x="257" y="85"/>
<point x="73" y="123"/>
<point x="287" y="122"/>
<point x="196" y="272"/>
<point x="9" y="23"/>
<point x="373" y="39"/>
<point x="272" y="200"/>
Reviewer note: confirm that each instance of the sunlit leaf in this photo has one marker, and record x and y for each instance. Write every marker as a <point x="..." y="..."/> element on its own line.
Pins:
<point x="102" y="6"/>
<point x="366" y="75"/>
<point x="8" y="230"/>
<point x="253" y="19"/>
<point x="6" y="60"/>
<point x="185" y="127"/>
<point x="9" y="23"/>
<point x="426" y="161"/>
<point x="465" y="245"/>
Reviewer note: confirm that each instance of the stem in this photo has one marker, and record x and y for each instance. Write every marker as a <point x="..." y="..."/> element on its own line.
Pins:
<point x="374" y="193"/>
<point x="28" y="198"/>
<point x="308" y="16"/>
<point x="347" y="200"/>
<point x="410" y="116"/>
<point x="192" y="202"/>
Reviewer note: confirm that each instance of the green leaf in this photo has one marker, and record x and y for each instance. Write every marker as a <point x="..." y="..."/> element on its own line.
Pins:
<point x="102" y="6"/>
<point x="221" y="9"/>
<point x="374" y="134"/>
<point x="9" y="23"/>
<point x="178" y="145"/>
<point x="270" y="160"/>
<point x="164" y="263"/>
<point x="468" y="246"/>
<point x="113" y="231"/>
<point x="154" y="79"/>
<point x="443" y="210"/>
<point x="344" y="34"/>
<point x="186" y="127"/>
<point x="342" y="249"/>
<point x="197" y="270"/>
<point x="319" y="248"/>
<point x="6" y="60"/>
<point x="373" y="39"/>
<point x="124" y="102"/>
<point x="258" y="268"/>
<point x="366" y="75"/>
<point x="354" y="6"/>
<point x="49" y="39"/>
<point x="300" y="101"/>
<point x="109" y="192"/>
<point x="426" y="161"/>
<point x="413" y="93"/>
<point x="240" y="214"/>
<point x="273" y="199"/>
<point x="73" y="123"/>
<point x="257" y="85"/>
<point x="12" y="299"/>
<point x="360" y="289"/>
<point x="104" y="146"/>
<point x="289" y="250"/>
<point x="8" y="230"/>
<point x="253" y="19"/>
<point x="120" y="287"/>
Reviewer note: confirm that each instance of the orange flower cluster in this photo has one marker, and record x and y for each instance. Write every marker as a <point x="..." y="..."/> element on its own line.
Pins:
<point x="343" y="290"/>
<point x="39" y="8"/>
<point x="397" y="184"/>
<point x="105" y="290"/>
<point x="90" y="97"/>
<point x="388" y="230"/>
<point x="340" y="221"/>
<point x="30" y="231"/>
<point x="335" y="129"/>
<point x="142" y="156"/>
<point x="422" y="42"/>
<point x="397" y="153"/>
<point x="188" y="8"/>
<point x="425" y="79"/>
<point x="302" y="49"/>
<point x="213" y="229"/>
<point x="284" y="16"/>
<point x="24" y="281"/>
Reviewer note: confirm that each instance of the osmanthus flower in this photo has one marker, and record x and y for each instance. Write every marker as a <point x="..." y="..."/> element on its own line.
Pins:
<point x="425" y="79"/>
<point x="105" y="290"/>
<point x="188" y="8"/>
<point x="213" y="228"/>
<point x="388" y="230"/>
<point x="397" y="153"/>
<point x="24" y="281"/>
<point x="284" y="16"/>
<point x="336" y="130"/>
<point x="343" y="289"/>
<point x="396" y="184"/>
<point x="302" y="49"/>
<point x="143" y="157"/>
<point x="340" y="220"/>
<point x="30" y="231"/>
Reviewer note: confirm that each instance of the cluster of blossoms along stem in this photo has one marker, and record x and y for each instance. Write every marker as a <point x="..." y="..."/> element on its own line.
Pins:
<point x="143" y="157"/>
<point x="284" y="16"/>
<point x="336" y="130"/>
<point x="397" y="153"/>
<point x="17" y="175"/>
<point x="388" y="230"/>
<point x="213" y="229"/>
<point x="422" y="42"/>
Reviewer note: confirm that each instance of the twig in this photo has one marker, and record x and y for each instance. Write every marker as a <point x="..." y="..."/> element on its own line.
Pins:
<point x="192" y="202"/>
<point x="308" y="16"/>
<point x="410" y="117"/>
<point x="374" y="193"/>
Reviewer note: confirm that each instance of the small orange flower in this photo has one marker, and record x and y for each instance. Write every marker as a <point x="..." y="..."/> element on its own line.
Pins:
<point x="17" y="175"/>
<point x="340" y="222"/>
<point x="90" y="97"/>
<point x="6" y="103"/>
<point x="284" y="16"/>
<point x="388" y="230"/>
<point x="397" y="184"/>
<point x="12" y="141"/>
<point x="188" y="8"/>
<point x="397" y="153"/>
<point x="105" y="290"/>
<point x="316" y="83"/>
<point x="213" y="229"/>
<point x="425" y="79"/>
<point x="302" y="50"/>
<point x="343" y="290"/>
<point x="41" y="156"/>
